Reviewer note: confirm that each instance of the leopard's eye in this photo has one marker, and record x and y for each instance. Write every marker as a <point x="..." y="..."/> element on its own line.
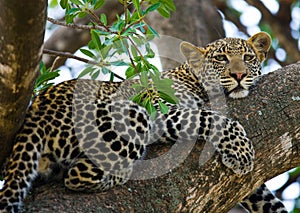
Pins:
<point x="248" y="57"/>
<point x="221" y="58"/>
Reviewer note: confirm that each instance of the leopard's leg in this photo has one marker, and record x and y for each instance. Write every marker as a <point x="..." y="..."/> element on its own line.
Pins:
<point x="85" y="175"/>
<point x="227" y="136"/>
<point x="262" y="200"/>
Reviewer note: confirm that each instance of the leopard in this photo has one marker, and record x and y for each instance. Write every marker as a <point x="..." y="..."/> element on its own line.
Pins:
<point x="94" y="132"/>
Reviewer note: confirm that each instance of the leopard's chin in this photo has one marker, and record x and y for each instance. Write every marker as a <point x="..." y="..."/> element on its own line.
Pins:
<point x="239" y="93"/>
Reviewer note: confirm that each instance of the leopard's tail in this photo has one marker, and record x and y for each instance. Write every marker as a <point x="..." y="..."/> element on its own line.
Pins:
<point x="21" y="168"/>
<point x="262" y="200"/>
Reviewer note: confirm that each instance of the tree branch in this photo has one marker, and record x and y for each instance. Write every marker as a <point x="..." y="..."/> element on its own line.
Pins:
<point x="76" y="26"/>
<point x="270" y="115"/>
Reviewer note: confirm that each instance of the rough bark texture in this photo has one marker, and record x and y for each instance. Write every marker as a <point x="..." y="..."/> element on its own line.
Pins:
<point x="195" y="21"/>
<point x="271" y="117"/>
<point x="22" y="25"/>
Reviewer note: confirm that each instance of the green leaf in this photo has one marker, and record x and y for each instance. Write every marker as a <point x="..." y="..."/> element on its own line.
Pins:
<point x="152" y="8"/>
<point x="105" y="51"/>
<point x="105" y="70"/>
<point x="118" y="63"/>
<point x="144" y="79"/>
<point x="81" y="14"/>
<point x="63" y="4"/>
<point x="130" y="72"/>
<point x="117" y="26"/>
<point x="134" y="17"/>
<point x="103" y="19"/>
<point x="149" y="107"/>
<point x="53" y="3"/>
<point x="133" y="51"/>
<point x="128" y="14"/>
<point x="43" y="68"/>
<point x="99" y="3"/>
<point x="163" y="108"/>
<point x="86" y="71"/>
<point x="129" y="32"/>
<point x="163" y="85"/>
<point x="73" y="11"/>
<point x="164" y="12"/>
<point x="295" y="172"/>
<point x="136" y="4"/>
<point x="137" y="87"/>
<point x="77" y="2"/>
<point x="138" y="40"/>
<point x="168" y="97"/>
<point x="169" y="4"/>
<point x="87" y="53"/>
<point x="96" y="39"/>
<point x="45" y="77"/>
<point x="150" y="52"/>
<point x="105" y="33"/>
<point x="70" y="18"/>
<point x="136" y="98"/>
<point x="95" y="74"/>
<point x="151" y="32"/>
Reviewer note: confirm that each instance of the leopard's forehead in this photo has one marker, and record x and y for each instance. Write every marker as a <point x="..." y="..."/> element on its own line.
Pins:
<point x="232" y="46"/>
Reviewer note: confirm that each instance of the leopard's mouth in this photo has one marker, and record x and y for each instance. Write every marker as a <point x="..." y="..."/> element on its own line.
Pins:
<point x="238" y="92"/>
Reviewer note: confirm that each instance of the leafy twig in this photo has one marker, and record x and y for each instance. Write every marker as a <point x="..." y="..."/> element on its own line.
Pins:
<point x="70" y="55"/>
<point x="77" y="26"/>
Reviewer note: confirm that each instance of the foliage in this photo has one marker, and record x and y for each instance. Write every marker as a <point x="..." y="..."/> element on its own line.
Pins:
<point x="130" y="35"/>
<point x="42" y="81"/>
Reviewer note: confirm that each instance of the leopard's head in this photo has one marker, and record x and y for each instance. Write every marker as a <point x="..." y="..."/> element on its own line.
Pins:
<point x="233" y="62"/>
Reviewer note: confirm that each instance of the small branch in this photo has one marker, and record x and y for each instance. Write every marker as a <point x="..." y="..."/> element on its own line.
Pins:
<point x="54" y="63"/>
<point x="98" y="21"/>
<point x="77" y="26"/>
<point x="70" y="55"/>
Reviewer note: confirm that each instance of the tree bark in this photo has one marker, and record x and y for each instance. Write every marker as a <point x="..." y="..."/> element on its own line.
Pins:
<point x="271" y="117"/>
<point x="22" y="25"/>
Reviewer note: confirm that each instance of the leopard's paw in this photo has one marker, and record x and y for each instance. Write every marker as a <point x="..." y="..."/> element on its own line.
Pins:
<point x="238" y="155"/>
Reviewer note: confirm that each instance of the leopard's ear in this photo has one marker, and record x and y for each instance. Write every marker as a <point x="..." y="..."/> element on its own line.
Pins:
<point x="261" y="42"/>
<point x="192" y="53"/>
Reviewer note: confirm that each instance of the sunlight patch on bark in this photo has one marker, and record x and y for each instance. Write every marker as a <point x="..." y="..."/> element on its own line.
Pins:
<point x="286" y="141"/>
<point x="8" y="82"/>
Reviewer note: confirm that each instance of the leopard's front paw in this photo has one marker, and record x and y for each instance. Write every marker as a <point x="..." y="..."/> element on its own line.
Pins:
<point x="239" y="165"/>
<point x="236" y="149"/>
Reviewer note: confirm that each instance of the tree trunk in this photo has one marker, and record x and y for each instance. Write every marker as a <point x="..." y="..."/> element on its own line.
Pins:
<point x="22" y="25"/>
<point x="195" y="21"/>
<point x="202" y="183"/>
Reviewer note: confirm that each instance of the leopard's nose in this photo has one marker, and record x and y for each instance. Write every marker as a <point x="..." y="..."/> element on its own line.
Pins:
<point x="238" y="76"/>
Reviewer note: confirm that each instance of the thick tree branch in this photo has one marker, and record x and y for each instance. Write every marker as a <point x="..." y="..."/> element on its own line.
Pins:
<point x="270" y="115"/>
<point x="22" y="27"/>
